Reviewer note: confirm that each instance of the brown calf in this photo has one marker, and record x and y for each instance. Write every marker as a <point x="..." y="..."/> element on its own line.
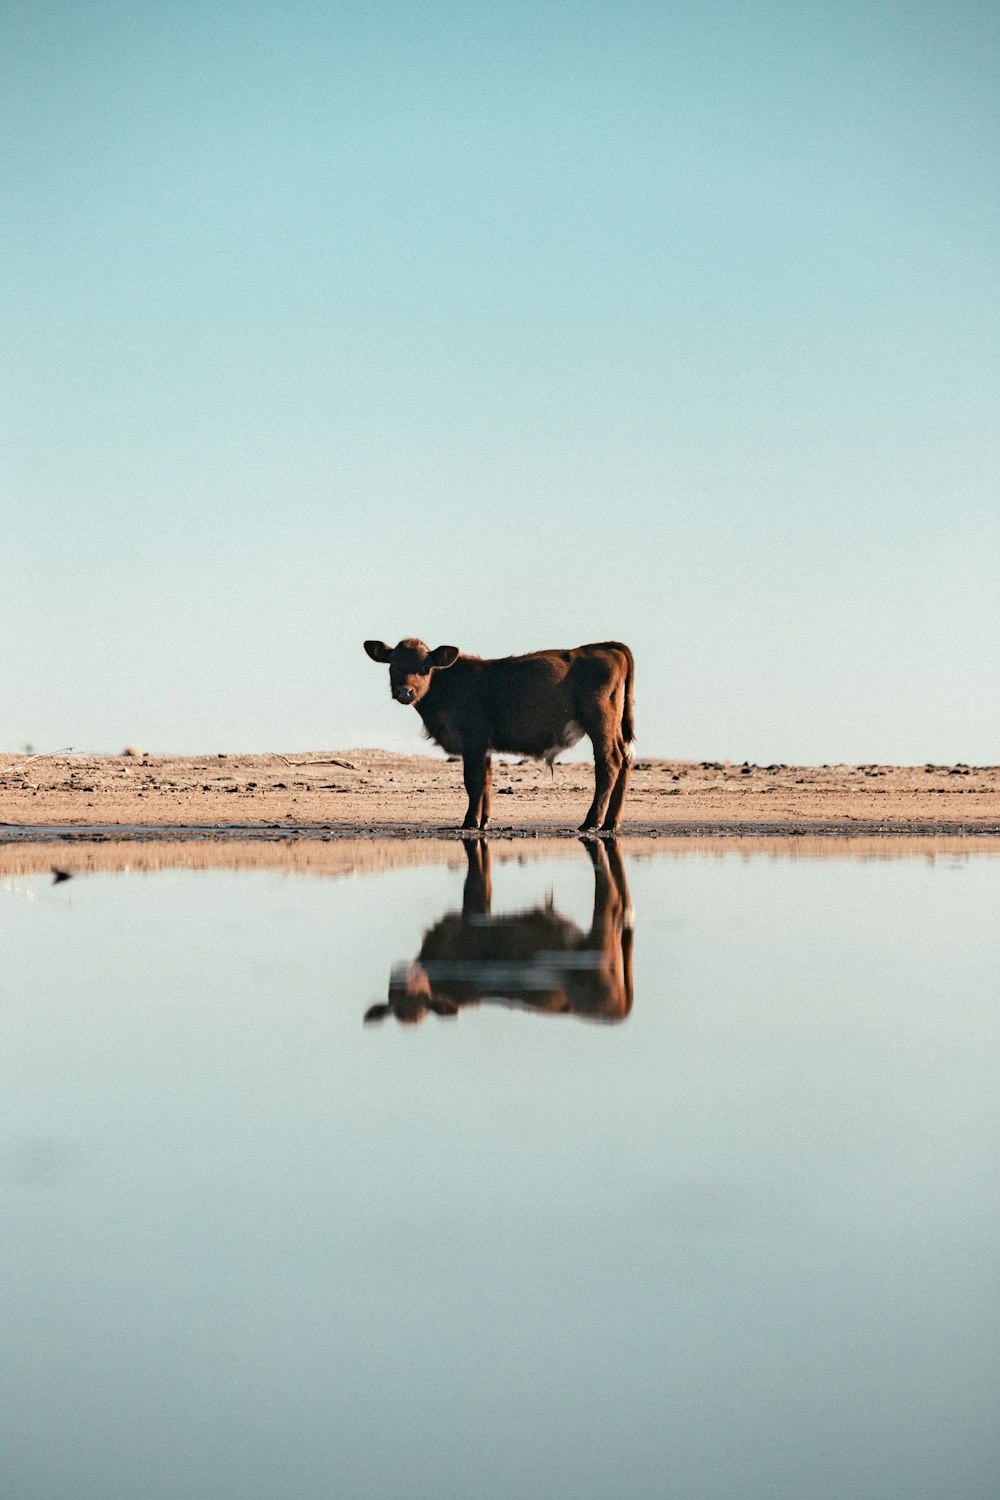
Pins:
<point x="537" y="705"/>
<point x="530" y="960"/>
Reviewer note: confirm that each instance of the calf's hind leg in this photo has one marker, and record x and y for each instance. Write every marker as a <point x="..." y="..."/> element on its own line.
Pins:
<point x="613" y="816"/>
<point x="607" y="765"/>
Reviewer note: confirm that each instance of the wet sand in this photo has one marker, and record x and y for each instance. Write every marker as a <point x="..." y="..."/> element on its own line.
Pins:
<point x="298" y="854"/>
<point x="372" y="794"/>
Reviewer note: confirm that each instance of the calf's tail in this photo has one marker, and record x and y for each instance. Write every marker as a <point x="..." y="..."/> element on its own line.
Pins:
<point x="628" y="719"/>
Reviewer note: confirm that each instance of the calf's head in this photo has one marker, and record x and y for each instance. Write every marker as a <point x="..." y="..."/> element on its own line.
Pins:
<point x="410" y="666"/>
<point x="411" y="996"/>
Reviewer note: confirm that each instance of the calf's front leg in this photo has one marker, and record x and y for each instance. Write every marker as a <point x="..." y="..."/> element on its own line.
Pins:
<point x="484" y="811"/>
<point x="476" y="772"/>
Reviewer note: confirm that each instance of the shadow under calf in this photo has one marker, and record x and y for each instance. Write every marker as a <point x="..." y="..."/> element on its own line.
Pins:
<point x="532" y="960"/>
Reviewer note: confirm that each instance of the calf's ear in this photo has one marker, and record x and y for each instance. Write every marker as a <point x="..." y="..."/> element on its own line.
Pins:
<point x="378" y="650"/>
<point x="444" y="656"/>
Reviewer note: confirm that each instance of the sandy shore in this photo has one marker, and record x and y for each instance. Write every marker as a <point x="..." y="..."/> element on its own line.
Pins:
<point x="375" y="794"/>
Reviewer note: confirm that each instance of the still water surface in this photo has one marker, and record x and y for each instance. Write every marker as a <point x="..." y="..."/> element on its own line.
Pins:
<point x="709" y="1211"/>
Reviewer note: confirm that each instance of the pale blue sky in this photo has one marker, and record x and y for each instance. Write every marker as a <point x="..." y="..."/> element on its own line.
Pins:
<point x="508" y="326"/>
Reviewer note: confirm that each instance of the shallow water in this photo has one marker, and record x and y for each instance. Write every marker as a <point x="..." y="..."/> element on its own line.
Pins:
<point x="709" y="1211"/>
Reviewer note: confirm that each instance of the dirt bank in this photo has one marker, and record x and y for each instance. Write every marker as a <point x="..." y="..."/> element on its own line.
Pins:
<point x="371" y="793"/>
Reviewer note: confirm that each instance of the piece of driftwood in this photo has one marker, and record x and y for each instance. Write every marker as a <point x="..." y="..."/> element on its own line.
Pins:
<point x="331" y="761"/>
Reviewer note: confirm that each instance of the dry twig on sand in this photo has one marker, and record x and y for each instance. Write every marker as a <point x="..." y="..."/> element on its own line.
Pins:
<point x="330" y="761"/>
<point x="39" y="755"/>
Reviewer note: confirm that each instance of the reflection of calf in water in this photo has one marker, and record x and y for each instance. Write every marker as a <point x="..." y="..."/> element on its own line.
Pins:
<point x="535" y="960"/>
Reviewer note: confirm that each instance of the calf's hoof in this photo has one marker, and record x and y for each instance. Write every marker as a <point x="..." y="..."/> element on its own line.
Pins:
<point x="589" y="828"/>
